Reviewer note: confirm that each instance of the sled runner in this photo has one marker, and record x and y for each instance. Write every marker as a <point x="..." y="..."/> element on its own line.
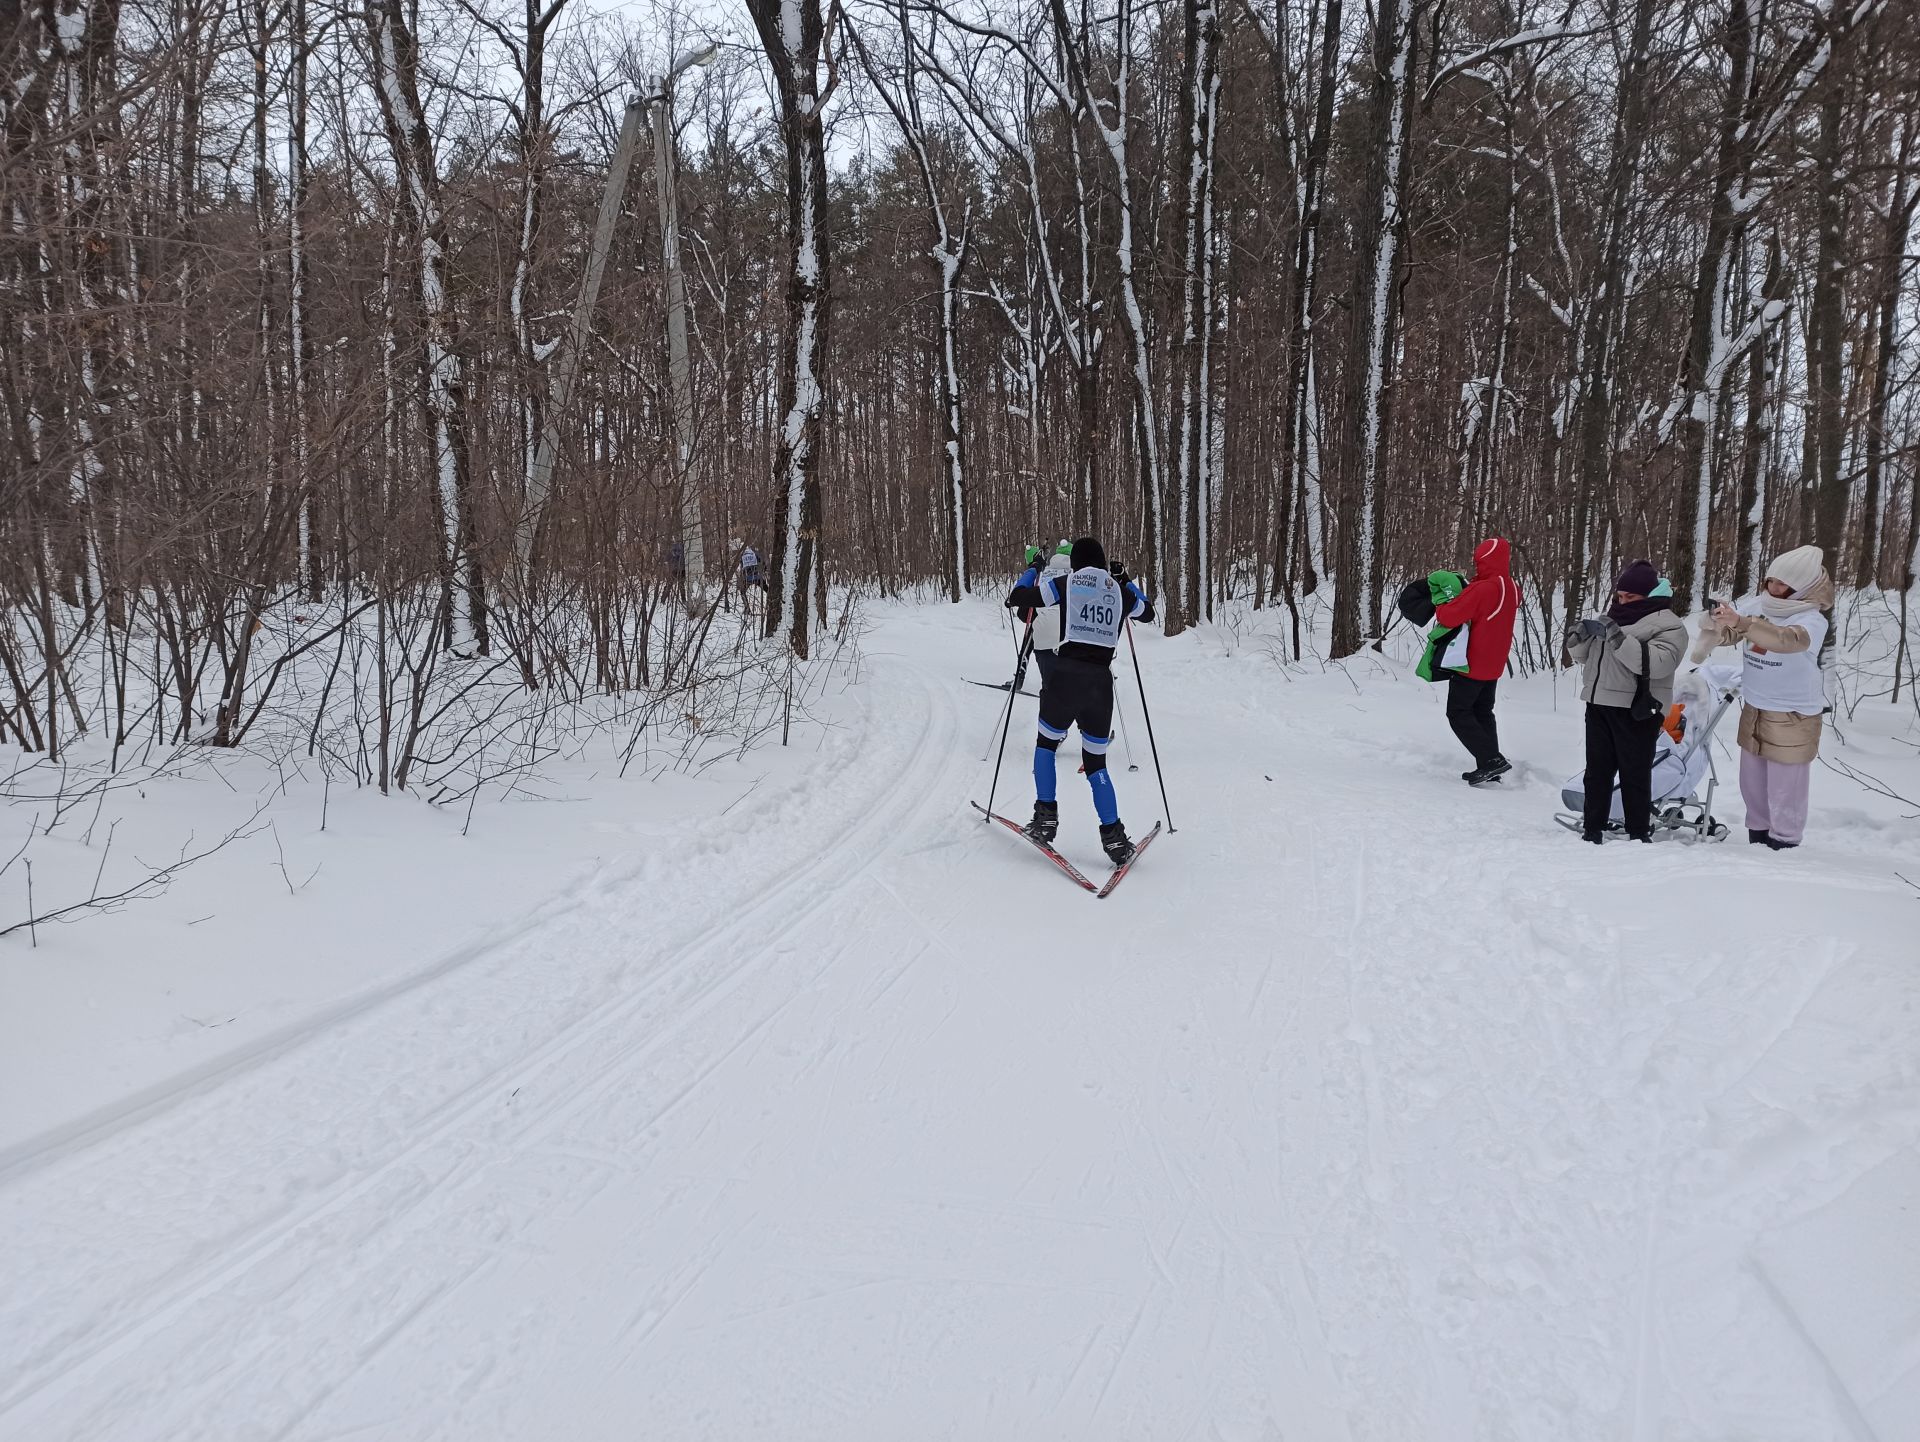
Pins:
<point x="1684" y="775"/>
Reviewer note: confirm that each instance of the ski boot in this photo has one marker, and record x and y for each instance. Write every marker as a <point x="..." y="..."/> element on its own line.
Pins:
<point x="1046" y="822"/>
<point x="1113" y="840"/>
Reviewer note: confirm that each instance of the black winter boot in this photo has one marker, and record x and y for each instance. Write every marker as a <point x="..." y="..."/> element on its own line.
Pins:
<point x="1758" y="838"/>
<point x="1046" y="821"/>
<point x="1492" y="771"/>
<point x="1113" y="840"/>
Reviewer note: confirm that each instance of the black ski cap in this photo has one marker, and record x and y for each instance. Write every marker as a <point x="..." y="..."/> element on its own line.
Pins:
<point x="1088" y="552"/>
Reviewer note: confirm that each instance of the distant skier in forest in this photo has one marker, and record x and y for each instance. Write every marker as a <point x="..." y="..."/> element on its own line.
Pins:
<point x="1488" y="609"/>
<point x="1091" y="603"/>
<point x="1044" y="620"/>
<point x="750" y="577"/>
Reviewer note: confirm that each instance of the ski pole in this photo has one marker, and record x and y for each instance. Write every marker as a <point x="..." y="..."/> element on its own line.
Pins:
<point x="1148" y="714"/>
<point x="1120" y="718"/>
<point x="1007" y="721"/>
<point x="1019" y="679"/>
<point x="986" y="750"/>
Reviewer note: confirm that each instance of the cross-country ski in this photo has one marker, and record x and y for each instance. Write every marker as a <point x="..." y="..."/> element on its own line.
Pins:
<point x="1004" y="686"/>
<point x="1066" y="867"/>
<point x="1119" y="872"/>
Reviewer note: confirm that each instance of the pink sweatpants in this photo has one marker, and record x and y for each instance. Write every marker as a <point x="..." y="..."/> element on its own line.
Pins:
<point x="1776" y="795"/>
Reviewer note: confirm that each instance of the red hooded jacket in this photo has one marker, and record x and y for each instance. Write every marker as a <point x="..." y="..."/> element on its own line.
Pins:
<point x="1488" y="607"/>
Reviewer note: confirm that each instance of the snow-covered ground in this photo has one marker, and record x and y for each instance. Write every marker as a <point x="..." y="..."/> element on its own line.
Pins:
<point x="786" y="1099"/>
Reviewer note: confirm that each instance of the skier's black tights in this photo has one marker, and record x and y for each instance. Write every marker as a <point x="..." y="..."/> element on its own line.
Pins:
<point x="1470" y="714"/>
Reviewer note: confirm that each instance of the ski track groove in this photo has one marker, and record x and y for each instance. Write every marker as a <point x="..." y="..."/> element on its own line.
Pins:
<point x="470" y="1102"/>
<point x="36" y="1153"/>
<point x="1120" y="1357"/>
<point x="379" y="1344"/>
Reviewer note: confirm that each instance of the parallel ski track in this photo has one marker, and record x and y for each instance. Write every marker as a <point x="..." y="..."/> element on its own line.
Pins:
<point x="817" y="882"/>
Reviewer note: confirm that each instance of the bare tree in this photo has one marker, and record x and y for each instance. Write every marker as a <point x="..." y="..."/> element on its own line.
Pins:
<point x="396" y="63"/>
<point x="798" y="45"/>
<point x="948" y="253"/>
<point x="1190" y="597"/>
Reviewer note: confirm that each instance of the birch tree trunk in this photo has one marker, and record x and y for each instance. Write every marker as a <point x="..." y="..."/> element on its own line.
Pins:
<point x="299" y="343"/>
<point x="1902" y="199"/>
<point x="1299" y="440"/>
<point x="1827" y="321"/>
<point x="1077" y="52"/>
<point x="1762" y="375"/>
<point x="396" y="63"/>
<point x="794" y="37"/>
<point x="1199" y="109"/>
<point x="1378" y="235"/>
<point x="949" y="255"/>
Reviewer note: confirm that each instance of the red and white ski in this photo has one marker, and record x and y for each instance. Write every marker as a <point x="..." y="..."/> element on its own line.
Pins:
<point x="1066" y="866"/>
<point x="1124" y="868"/>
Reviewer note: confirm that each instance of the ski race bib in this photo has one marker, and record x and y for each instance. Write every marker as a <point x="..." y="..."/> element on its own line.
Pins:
<point x="1096" y="606"/>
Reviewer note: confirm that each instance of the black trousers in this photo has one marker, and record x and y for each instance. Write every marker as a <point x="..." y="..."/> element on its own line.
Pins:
<point x="1046" y="661"/>
<point x="1470" y="714"/>
<point x="1618" y="745"/>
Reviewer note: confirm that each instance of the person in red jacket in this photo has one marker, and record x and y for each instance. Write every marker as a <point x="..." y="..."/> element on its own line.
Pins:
<point x="1488" y="609"/>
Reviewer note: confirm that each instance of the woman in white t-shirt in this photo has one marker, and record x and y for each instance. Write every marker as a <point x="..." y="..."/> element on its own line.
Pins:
<point x="1783" y="692"/>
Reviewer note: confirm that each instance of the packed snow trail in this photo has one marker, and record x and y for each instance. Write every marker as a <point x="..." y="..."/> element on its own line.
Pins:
<point x="1372" y="1107"/>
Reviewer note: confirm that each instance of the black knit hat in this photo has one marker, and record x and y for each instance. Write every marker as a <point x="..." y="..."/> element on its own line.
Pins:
<point x="1088" y="552"/>
<point x="1638" y="579"/>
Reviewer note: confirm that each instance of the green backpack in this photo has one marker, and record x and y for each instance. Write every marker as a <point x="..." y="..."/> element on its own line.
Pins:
<point x="1442" y="586"/>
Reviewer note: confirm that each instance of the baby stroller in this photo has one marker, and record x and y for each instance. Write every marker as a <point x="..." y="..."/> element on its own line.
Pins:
<point x="1682" y="762"/>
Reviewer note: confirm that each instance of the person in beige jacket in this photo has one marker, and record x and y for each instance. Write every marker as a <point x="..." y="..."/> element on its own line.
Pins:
<point x="1618" y="742"/>
<point x="1782" y="690"/>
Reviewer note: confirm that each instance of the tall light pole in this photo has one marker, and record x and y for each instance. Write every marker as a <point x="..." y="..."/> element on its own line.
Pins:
<point x="566" y="364"/>
<point x="691" y="536"/>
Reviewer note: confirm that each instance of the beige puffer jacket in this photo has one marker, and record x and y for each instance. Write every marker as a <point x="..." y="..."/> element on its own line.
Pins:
<point x="1611" y="665"/>
<point x="1783" y="736"/>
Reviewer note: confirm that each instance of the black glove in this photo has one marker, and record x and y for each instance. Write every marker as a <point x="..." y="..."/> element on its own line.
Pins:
<point x="1594" y="627"/>
<point x="1118" y="570"/>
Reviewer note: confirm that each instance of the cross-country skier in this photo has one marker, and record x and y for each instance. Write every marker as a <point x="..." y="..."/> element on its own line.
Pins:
<point x="749" y="577"/>
<point x="1092" y="602"/>
<point x="1045" y="620"/>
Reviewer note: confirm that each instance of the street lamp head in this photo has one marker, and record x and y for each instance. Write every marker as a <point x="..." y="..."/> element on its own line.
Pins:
<point x="699" y="56"/>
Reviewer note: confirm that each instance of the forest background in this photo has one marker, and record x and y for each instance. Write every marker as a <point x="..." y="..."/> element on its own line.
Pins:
<point x="1288" y="299"/>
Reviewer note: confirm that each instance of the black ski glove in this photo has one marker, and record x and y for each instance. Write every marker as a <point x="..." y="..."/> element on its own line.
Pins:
<point x="1118" y="570"/>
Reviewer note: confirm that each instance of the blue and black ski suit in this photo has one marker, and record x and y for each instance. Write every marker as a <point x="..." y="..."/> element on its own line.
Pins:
<point x="1077" y="690"/>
